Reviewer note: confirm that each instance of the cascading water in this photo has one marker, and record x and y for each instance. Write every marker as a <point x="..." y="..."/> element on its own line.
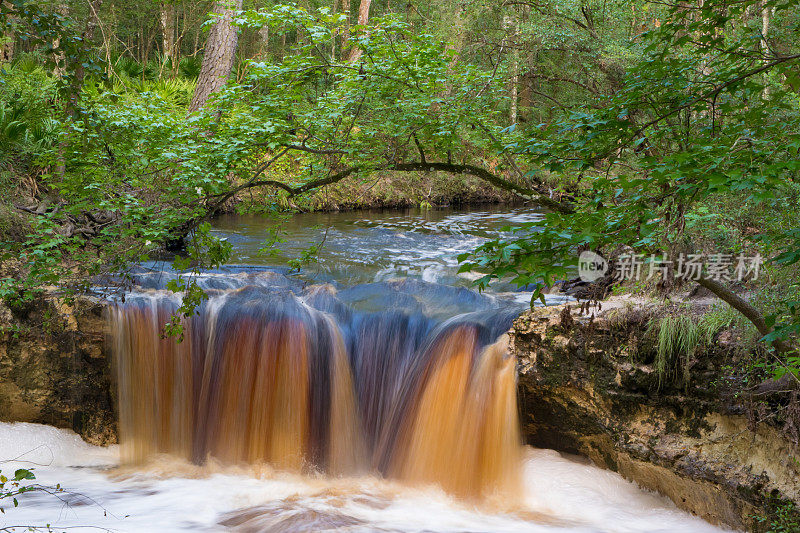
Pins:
<point x="307" y="383"/>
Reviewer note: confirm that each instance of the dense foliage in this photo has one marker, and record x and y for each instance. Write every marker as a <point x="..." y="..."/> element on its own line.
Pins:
<point x="642" y="127"/>
<point x="706" y="120"/>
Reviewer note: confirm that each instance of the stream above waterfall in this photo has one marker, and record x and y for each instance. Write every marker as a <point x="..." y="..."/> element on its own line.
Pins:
<point x="372" y="246"/>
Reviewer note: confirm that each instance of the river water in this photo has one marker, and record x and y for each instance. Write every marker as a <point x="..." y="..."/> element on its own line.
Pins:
<point x="404" y="418"/>
<point x="373" y="246"/>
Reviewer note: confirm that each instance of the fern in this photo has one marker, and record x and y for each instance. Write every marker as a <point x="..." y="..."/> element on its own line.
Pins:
<point x="189" y="67"/>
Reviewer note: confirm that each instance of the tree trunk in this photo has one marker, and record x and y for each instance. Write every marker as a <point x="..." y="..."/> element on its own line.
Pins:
<point x="71" y="105"/>
<point x="263" y="34"/>
<point x="196" y="45"/>
<point x="7" y="46"/>
<point x="168" y="31"/>
<point x="459" y="24"/>
<point x="333" y="34"/>
<point x="363" y="12"/>
<point x="363" y="18"/>
<point x="218" y="56"/>
<point x="512" y="25"/>
<point x="80" y="71"/>
<point x="788" y="382"/>
<point x="514" y="92"/>
<point x="765" y="13"/>
<point x="346" y="29"/>
<point x="764" y="26"/>
<point x="59" y="59"/>
<point x="743" y="306"/>
<point x="149" y="39"/>
<point x="7" y="51"/>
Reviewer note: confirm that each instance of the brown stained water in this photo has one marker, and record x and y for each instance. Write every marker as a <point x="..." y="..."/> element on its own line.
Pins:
<point x="263" y="377"/>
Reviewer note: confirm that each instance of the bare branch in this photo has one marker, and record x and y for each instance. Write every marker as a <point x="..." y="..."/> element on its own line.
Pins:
<point x="482" y="173"/>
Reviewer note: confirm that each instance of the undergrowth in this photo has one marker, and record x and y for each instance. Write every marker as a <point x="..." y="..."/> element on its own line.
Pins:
<point x="677" y="340"/>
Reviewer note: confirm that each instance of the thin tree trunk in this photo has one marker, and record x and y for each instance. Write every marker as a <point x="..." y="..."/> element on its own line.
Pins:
<point x="346" y="29"/>
<point x="219" y="54"/>
<point x="95" y="16"/>
<point x="7" y="48"/>
<point x="196" y="45"/>
<point x="363" y="18"/>
<point x="180" y="33"/>
<point x="333" y="34"/>
<point x="764" y="45"/>
<point x="59" y="59"/>
<point x="459" y="23"/>
<point x="7" y="52"/>
<point x="88" y="35"/>
<point x="71" y="105"/>
<point x="764" y="26"/>
<point x="363" y="11"/>
<point x="263" y="34"/>
<point x="512" y="25"/>
<point x="514" y="92"/>
<point x="168" y="31"/>
<point x="148" y="43"/>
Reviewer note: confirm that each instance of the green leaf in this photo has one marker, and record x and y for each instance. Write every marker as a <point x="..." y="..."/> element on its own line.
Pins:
<point x="23" y="473"/>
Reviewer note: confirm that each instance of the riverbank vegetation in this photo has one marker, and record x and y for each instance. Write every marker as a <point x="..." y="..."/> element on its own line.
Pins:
<point x="641" y="127"/>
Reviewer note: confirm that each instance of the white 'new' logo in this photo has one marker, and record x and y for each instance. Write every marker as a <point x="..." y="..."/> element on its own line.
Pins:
<point x="591" y="266"/>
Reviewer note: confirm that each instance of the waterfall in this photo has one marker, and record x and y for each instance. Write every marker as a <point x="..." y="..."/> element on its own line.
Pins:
<point x="306" y="382"/>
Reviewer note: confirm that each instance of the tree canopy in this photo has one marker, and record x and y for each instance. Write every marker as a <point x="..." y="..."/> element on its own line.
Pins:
<point x="649" y="128"/>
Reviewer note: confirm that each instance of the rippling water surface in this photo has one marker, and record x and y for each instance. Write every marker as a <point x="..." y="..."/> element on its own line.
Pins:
<point x="361" y="247"/>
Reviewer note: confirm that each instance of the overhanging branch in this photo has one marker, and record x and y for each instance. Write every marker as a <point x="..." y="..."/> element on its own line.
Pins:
<point x="485" y="175"/>
<point x="481" y="173"/>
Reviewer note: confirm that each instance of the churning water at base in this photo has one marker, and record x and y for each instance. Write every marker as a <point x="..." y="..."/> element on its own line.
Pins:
<point x="167" y="494"/>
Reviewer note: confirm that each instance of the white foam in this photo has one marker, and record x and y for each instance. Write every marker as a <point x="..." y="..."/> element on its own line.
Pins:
<point x="578" y="498"/>
<point x="563" y="487"/>
<point x="37" y="445"/>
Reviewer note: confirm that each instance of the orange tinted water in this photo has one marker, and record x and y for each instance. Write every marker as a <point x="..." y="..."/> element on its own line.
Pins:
<point x="265" y="379"/>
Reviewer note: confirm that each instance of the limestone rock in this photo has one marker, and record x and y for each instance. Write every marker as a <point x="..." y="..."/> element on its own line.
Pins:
<point x="54" y="367"/>
<point x="581" y="392"/>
